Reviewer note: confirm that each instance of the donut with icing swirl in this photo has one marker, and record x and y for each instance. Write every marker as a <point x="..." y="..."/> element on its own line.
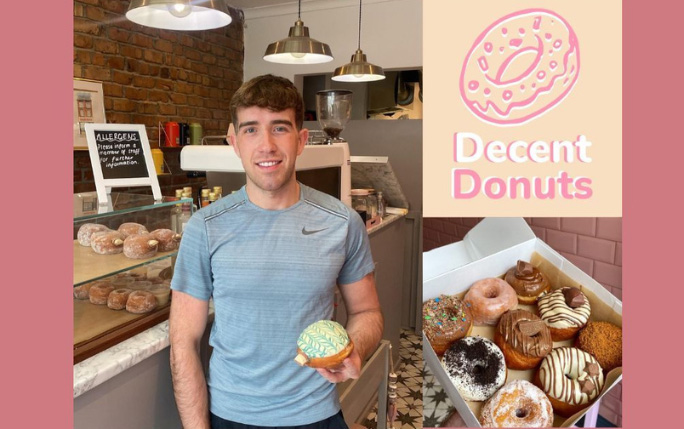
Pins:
<point x="527" y="281"/>
<point x="565" y="311"/>
<point x="323" y="344"/>
<point x="571" y="378"/>
<point x="523" y="338"/>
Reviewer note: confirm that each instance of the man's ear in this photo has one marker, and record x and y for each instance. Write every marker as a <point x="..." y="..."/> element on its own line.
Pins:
<point x="232" y="139"/>
<point x="303" y="138"/>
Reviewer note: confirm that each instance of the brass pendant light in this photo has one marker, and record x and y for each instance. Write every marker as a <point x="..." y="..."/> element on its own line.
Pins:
<point x="298" y="47"/>
<point x="179" y="14"/>
<point x="358" y="70"/>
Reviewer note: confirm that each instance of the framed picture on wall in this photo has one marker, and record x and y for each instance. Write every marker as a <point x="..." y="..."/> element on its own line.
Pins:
<point x="88" y="108"/>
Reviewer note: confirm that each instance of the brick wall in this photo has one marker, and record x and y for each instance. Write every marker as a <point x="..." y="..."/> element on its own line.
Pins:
<point x="151" y="76"/>
<point x="593" y="244"/>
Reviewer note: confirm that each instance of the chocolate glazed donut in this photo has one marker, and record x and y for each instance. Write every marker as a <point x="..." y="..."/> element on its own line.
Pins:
<point x="524" y="339"/>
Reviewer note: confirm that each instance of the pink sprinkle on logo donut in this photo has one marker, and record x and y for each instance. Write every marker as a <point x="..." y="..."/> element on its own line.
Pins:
<point x="520" y="67"/>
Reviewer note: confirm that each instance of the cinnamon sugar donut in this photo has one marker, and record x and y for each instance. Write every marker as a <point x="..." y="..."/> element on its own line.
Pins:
<point x="527" y="281"/>
<point x="130" y="228"/>
<point x="99" y="292"/>
<point x="107" y="242"/>
<point x="117" y="299"/>
<point x="571" y="378"/>
<point x="140" y="301"/>
<point x="83" y="291"/>
<point x="519" y="404"/>
<point x="168" y="239"/>
<point x="445" y="320"/>
<point x="476" y="367"/>
<point x="488" y="299"/>
<point x="603" y="340"/>
<point x="140" y="246"/>
<point x="88" y="229"/>
<point x="565" y="311"/>
<point x="495" y="87"/>
<point x="523" y="338"/>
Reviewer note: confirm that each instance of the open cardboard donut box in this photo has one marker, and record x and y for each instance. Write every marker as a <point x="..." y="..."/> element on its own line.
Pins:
<point x="491" y="248"/>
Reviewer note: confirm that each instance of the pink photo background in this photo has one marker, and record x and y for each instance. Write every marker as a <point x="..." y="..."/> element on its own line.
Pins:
<point x="593" y="244"/>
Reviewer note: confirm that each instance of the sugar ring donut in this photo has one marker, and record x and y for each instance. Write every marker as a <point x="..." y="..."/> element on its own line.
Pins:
<point x="519" y="404"/>
<point x="502" y="84"/>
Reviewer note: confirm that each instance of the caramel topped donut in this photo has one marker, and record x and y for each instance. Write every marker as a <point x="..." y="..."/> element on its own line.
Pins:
<point x="524" y="339"/>
<point x="527" y="281"/>
<point x="603" y="340"/>
<point x="571" y="378"/>
<point x="488" y="299"/>
<point x="519" y="404"/>
<point x="476" y="367"/>
<point x="565" y="311"/>
<point x="445" y="320"/>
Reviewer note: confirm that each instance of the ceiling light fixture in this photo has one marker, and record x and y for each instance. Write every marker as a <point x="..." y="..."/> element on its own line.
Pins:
<point x="358" y="70"/>
<point x="298" y="47"/>
<point x="179" y="14"/>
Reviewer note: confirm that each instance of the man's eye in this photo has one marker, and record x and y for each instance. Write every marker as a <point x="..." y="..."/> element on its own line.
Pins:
<point x="280" y="129"/>
<point x="249" y="130"/>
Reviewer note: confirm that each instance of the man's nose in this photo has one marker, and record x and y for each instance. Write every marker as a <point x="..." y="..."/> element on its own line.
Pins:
<point x="267" y="143"/>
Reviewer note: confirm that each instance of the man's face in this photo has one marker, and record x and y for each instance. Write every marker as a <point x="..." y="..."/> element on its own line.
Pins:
<point x="268" y="144"/>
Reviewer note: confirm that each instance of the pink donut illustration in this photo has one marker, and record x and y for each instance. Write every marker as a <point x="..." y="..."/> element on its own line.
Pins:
<point x="520" y="67"/>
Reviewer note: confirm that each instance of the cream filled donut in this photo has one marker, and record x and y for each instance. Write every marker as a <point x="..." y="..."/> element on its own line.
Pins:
<point x="571" y="378"/>
<point x="323" y="344"/>
<point x="519" y="404"/>
<point x="488" y="299"/>
<point x="476" y="367"/>
<point x="520" y="67"/>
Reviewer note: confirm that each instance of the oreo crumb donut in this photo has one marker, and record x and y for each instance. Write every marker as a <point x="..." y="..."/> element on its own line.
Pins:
<point x="476" y="367"/>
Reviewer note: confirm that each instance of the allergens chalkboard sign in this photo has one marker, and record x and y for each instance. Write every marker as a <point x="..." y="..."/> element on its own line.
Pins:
<point x="121" y="157"/>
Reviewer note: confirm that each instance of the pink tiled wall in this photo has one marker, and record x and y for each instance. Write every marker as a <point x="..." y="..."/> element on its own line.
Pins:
<point x="593" y="244"/>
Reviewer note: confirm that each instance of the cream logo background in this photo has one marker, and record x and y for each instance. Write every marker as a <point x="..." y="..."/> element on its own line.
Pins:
<point x="520" y="67"/>
<point x="511" y="126"/>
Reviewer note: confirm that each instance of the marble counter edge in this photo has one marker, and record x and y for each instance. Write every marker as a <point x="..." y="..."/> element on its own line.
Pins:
<point x="386" y="220"/>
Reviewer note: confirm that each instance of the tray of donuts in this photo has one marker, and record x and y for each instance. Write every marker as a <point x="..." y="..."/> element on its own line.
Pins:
<point x="522" y="338"/>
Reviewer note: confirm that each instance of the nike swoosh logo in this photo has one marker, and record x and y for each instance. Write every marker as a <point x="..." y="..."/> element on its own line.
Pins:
<point x="312" y="231"/>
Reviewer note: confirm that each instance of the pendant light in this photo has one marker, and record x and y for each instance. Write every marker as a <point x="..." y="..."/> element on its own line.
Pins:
<point x="179" y="14"/>
<point x="298" y="47"/>
<point x="358" y="70"/>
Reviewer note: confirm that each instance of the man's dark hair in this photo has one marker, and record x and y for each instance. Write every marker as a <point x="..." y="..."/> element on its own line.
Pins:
<point x="270" y="92"/>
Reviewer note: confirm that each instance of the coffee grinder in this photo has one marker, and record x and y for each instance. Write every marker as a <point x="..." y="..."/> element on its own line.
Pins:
<point x="333" y="108"/>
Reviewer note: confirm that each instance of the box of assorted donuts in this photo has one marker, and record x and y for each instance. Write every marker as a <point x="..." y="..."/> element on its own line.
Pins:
<point x="516" y="334"/>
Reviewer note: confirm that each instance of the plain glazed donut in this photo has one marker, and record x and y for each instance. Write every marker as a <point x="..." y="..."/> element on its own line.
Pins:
<point x="519" y="404"/>
<point x="502" y="89"/>
<point x="323" y="344"/>
<point x="88" y="229"/>
<point x="571" y="378"/>
<point x="488" y="299"/>
<point x="527" y="281"/>
<point x="445" y="320"/>
<point x="141" y="301"/>
<point x="565" y="311"/>
<point x="168" y="239"/>
<point x="523" y="338"/>
<point x="476" y="367"/>
<point x="117" y="299"/>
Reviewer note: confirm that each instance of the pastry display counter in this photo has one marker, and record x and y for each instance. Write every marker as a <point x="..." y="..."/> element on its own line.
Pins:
<point x="98" y="327"/>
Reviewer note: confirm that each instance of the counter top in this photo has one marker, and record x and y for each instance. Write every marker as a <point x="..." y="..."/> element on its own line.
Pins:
<point x="107" y="364"/>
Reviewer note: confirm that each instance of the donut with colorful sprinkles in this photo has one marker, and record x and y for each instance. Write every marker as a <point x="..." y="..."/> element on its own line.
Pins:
<point x="446" y="319"/>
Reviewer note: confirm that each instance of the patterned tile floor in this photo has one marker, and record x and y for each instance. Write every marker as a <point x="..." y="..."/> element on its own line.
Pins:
<point x="410" y="375"/>
<point x="437" y="406"/>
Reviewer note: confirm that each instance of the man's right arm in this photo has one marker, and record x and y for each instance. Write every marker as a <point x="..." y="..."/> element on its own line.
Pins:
<point x="187" y="322"/>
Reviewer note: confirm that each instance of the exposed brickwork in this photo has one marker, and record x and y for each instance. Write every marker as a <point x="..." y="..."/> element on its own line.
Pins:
<point x="151" y="76"/>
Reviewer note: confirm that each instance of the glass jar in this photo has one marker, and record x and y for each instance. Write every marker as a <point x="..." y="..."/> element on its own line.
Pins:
<point x="359" y="199"/>
<point x="372" y="203"/>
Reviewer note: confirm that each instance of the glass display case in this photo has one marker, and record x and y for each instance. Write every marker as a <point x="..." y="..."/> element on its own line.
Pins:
<point x="97" y="324"/>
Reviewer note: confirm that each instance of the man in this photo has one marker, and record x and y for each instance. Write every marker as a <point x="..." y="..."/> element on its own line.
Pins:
<point x="271" y="256"/>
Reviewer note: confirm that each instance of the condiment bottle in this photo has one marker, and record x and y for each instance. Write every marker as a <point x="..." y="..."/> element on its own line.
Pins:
<point x="205" y="197"/>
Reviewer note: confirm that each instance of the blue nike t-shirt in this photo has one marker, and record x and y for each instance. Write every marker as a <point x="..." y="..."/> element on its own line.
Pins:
<point x="271" y="273"/>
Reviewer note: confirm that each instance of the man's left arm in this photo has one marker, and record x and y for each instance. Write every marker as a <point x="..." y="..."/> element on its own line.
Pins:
<point x="364" y="326"/>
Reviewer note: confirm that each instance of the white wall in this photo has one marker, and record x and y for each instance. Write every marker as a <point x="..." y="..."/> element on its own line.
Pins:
<point x="391" y="34"/>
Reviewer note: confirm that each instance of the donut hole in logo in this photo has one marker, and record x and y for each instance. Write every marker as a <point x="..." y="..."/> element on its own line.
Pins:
<point x="520" y="67"/>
